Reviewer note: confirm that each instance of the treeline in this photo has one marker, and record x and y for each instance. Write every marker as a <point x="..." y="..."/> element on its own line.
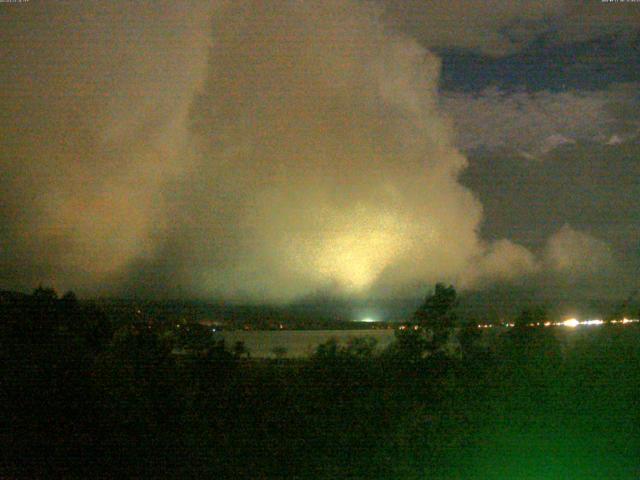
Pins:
<point x="82" y="399"/>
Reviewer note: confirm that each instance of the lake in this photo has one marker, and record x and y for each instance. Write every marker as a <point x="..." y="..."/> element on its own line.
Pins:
<point x="297" y="343"/>
<point x="302" y="343"/>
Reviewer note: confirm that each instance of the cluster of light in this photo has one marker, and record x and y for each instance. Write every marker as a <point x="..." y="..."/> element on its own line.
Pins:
<point x="368" y="320"/>
<point x="570" y="322"/>
<point x="592" y="322"/>
<point x="625" y="321"/>
<point x="408" y="327"/>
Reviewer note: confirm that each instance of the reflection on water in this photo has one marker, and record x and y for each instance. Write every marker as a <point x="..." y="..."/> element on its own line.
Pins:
<point x="297" y="343"/>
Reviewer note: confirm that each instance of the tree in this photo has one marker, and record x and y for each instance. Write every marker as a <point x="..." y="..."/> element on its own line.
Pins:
<point x="361" y="347"/>
<point x="96" y="328"/>
<point x="328" y="350"/>
<point x="279" y="351"/>
<point x="43" y="313"/>
<point x="44" y="294"/>
<point x="468" y="337"/>
<point x="437" y="315"/>
<point x="138" y="398"/>
<point x="356" y="348"/>
<point x="240" y="349"/>
<point x="193" y="337"/>
<point x="410" y="345"/>
<point x="69" y="301"/>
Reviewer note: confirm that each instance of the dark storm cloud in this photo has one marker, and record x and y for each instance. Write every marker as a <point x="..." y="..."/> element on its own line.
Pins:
<point x="593" y="64"/>
<point x="592" y="187"/>
<point x="497" y="28"/>
<point x="532" y="124"/>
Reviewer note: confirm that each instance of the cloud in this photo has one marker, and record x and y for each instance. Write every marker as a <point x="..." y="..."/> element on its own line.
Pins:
<point x="323" y="161"/>
<point x="498" y="28"/>
<point x="589" y="186"/>
<point x="95" y="101"/>
<point x="535" y="124"/>
<point x="322" y="157"/>
<point x="576" y="263"/>
<point x="285" y="148"/>
<point x="572" y="264"/>
<point x="502" y="261"/>
<point x="577" y="253"/>
<point x="491" y="27"/>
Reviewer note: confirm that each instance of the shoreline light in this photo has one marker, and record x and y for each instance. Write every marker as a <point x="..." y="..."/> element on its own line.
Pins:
<point x="592" y="322"/>
<point x="368" y="320"/>
<point x="571" y="322"/>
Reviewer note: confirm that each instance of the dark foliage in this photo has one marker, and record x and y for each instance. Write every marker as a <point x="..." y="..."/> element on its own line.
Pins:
<point x="152" y="402"/>
<point x="438" y="314"/>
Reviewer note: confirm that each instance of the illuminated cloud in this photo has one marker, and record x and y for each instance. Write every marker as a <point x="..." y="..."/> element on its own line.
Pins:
<point x="255" y="150"/>
<point x="323" y="161"/>
<point x="502" y="261"/>
<point x="577" y="253"/>
<point x="95" y="102"/>
<point x="323" y="158"/>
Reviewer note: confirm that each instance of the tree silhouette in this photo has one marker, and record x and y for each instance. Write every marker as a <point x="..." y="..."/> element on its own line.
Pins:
<point x="437" y="315"/>
<point x="69" y="304"/>
<point x="468" y="336"/>
<point x="410" y="345"/>
<point x="279" y="351"/>
<point x="44" y="294"/>
<point x="43" y="316"/>
<point x="361" y="347"/>
<point x="240" y="349"/>
<point x="328" y="350"/>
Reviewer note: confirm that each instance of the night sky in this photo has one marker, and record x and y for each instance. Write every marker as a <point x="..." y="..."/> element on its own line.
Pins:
<point x="265" y="151"/>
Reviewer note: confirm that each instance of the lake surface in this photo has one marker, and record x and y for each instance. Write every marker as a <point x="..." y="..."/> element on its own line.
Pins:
<point x="303" y="343"/>
<point x="297" y="343"/>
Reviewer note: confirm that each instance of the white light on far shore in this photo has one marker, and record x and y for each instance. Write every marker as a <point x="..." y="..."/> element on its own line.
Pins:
<point x="368" y="320"/>
<point x="572" y="322"/>
<point x="593" y="322"/>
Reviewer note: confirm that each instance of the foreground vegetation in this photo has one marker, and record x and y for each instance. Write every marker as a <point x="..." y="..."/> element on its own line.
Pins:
<point x="82" y="400"/>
